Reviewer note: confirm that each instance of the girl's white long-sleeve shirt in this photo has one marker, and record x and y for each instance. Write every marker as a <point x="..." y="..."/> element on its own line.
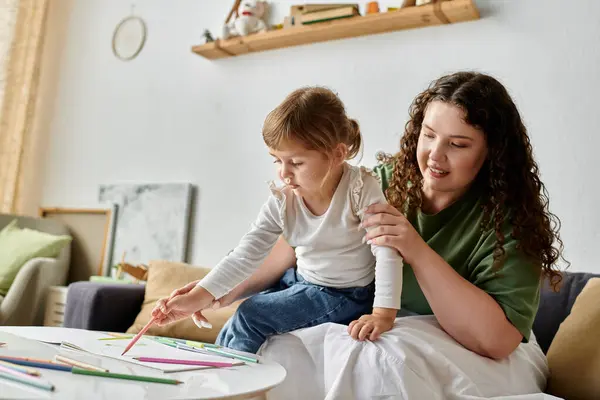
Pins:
<point x="329" y="248"/>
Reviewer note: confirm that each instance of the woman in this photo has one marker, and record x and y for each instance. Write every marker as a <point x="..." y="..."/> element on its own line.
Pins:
<point x="469" y="215"/>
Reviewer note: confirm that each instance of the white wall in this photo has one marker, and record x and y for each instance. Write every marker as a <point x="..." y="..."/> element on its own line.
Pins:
<point x="170" y="115"/>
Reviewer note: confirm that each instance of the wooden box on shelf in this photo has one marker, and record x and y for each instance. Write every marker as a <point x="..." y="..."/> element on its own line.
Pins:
<point x="436" y="13"/>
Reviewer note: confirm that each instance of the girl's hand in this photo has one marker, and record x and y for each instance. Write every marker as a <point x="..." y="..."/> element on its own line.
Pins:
<point x="184" y="302"/>
<point x="371" y="326"/>
<point x="390" y="228"/>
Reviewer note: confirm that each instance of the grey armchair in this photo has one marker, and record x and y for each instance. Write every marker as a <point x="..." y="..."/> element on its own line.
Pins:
<point x="24" y="303"/>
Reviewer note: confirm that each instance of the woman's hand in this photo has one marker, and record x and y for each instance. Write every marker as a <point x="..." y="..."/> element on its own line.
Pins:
<point x="371" y="326"/>
<point x="184" y="302"/>
<point x="386" y="226"/>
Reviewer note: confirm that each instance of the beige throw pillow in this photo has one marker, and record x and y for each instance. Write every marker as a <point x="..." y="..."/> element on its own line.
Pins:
<point x="163" y="278"/>
<point x="574" y="355"/>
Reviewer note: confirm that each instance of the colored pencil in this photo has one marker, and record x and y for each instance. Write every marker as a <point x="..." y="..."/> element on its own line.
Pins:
<point x="193" y="343"/>
<point x="185" y="362"/>
<point x="29" y="362"/>
<point x="232" y="355"/>
<point x="167" y="343"/>
<point x="138" y="336"/>
<point x="194" y="349"/>
<point x="26" y="370"/>
<point x="81" y="371"/>
<point x="77" y="363"/>
<point x="116" y="338"/>
<point x="13" y="375"/>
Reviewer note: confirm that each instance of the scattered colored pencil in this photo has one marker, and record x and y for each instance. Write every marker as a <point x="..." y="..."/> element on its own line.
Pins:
<point x="232" y="355"/>
<point x="194" y="349"/>
<point x="20" y="377"/>
<point x="120" y="335"/>
<point x="77" y="363"/>
<point x="170" y="344"/>
<point x="193" y="343"/>
<point x="34" y="362"/>
<point x="116" y="338"/>
<point x="81" y="371"/>
<point x="185" y="362"/>
<point x="26" y="370"/>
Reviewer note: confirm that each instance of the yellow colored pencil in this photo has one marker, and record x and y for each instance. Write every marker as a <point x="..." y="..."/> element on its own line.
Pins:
<point x="80" y="364"/>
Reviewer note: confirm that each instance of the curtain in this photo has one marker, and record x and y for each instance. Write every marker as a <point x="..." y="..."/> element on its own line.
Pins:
<point x="22" y="25"/>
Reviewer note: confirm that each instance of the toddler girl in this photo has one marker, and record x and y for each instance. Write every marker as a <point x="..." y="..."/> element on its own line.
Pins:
<point x="338" y="277"/>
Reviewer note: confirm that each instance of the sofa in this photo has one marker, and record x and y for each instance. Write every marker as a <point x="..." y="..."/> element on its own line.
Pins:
<point x="24" y="302"/>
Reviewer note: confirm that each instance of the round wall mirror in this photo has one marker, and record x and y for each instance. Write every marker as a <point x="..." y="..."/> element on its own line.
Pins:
<point x="129" y="38"/>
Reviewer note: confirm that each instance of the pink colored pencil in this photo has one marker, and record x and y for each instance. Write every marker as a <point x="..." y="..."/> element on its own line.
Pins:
<point x="138" y="336"/>
<point x="186" y="362"/>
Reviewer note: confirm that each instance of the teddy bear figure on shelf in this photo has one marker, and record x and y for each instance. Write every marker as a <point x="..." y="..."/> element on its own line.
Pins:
<point x="248" y="18"/>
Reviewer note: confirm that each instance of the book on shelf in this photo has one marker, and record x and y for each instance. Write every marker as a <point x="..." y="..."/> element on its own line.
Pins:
<point x="328" y="15"/>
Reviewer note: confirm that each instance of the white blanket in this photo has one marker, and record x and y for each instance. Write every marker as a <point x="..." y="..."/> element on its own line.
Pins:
<point x="415" y="360"/>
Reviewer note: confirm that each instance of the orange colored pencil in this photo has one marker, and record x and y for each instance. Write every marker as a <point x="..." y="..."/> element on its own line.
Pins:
<point x="138" y="336"/>
<point x="140" y="333"/>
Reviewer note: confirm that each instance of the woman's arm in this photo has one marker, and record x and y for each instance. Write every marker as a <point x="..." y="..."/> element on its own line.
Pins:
<point x="281" y="258"/>
<point x="467" y="313"/>
<point x="470" y="315"/>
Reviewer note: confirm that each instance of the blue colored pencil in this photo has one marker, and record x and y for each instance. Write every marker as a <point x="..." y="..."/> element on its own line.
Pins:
<point x="37" y="364"/>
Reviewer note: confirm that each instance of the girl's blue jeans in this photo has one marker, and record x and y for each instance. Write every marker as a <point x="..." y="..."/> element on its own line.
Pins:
<point x="292" y="303"/>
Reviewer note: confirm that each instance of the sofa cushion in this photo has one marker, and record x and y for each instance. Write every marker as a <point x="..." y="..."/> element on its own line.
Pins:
<point x="21" y="245"/>
<point x="574" y="355"/>
<point x="555" y="306"/>
<point x="163" y="278"/>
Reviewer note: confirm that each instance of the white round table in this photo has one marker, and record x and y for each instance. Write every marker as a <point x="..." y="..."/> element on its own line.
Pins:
<point x="240" y="382"/>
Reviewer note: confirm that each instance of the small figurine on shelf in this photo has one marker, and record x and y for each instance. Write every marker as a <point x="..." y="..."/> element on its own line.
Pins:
<point x="138" y="272"/>
<point x="208" y="36"/>
<point x="248" y="18"/>
<point x="372" y="7"/>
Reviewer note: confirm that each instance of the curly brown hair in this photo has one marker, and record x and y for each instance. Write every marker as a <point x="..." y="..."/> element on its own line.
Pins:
<point x="509" y="178"/>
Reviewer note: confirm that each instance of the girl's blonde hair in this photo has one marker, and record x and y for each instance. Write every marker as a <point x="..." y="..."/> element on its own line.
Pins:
<point x="315" y="117"/>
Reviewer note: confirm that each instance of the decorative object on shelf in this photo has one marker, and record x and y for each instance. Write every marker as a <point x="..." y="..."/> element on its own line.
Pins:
<point x="429" y="15"/>
<point x="92" y="231"/>
<point x="248" y="18"/>
<point x="138" y="272"/>
<point x="208" y="37"/>
<point x="152" y="222"/>
<point x="372" y="7"/>
<point x="297" y="11"/>
<point x="129" y="37"/>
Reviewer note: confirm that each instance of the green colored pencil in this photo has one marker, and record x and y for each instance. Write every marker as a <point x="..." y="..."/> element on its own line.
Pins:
<point x="81" y="371"/>
<point x="231" y="355"/>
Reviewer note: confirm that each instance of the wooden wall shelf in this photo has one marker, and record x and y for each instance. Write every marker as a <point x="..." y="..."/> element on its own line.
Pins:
<point x="438" y="13"/>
